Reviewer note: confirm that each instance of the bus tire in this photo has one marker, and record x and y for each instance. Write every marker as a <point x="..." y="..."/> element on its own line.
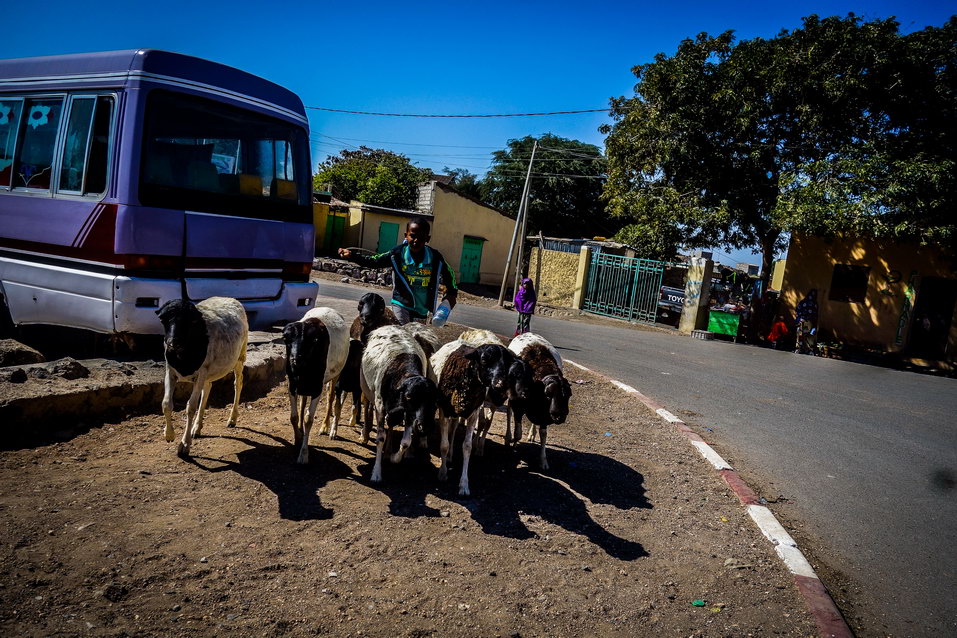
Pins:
<point x="6" y="320"/>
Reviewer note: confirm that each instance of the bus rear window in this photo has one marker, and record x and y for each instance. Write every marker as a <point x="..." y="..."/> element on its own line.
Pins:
<point x="202" y="155"/>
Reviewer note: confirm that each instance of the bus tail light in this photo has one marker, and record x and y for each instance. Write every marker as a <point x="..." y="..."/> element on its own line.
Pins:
<point x="162" y="263"/>
<point x="296" y="271"/>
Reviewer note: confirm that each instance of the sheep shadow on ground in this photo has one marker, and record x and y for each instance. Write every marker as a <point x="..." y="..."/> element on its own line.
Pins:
<point x="295" y="486"/>
<point x="503" y="491"/>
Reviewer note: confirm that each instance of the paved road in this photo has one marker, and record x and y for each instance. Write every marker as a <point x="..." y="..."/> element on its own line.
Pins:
<point x="867" y="455"/>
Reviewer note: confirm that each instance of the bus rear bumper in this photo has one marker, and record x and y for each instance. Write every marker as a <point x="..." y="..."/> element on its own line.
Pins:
<point x="136" y="301"/>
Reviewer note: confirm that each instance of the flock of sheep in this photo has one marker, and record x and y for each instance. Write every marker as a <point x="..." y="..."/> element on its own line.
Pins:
<point x="402" y="373"/>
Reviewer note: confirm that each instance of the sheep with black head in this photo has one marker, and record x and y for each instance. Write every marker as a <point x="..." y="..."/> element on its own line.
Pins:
<point x="316" y="349"/>
<point x="202" y="343"/>
<point x="464" y="376"/>
<point x="394" y="381"/>
<point x="547" y="403"/>
<point x="517" y="387"/>
<point x="373" y="314"/>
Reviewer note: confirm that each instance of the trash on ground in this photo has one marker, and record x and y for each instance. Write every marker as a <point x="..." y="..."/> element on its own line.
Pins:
<point x="698" y="603"/>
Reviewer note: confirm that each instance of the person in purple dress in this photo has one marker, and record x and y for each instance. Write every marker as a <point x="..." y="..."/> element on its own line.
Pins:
<point x="525" y="305"/>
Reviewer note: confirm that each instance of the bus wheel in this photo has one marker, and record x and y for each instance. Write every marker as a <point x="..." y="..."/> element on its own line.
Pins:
<point x="7" y="329"/>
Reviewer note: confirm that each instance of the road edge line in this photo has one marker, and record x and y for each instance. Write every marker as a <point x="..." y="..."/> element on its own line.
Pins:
<point x="828" y="618"/>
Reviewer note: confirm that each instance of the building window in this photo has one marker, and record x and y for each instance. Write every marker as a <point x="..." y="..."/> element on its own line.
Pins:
<point x="849" y="283"/>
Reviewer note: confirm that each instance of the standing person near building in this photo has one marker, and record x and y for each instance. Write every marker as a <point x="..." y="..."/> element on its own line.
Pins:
<point x="525" y="305"/>
<point x="417" y="269"/>
<point x="806" y="323"/>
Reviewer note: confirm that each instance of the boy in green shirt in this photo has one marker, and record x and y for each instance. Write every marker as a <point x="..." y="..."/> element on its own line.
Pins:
<point x="416" y="271"/>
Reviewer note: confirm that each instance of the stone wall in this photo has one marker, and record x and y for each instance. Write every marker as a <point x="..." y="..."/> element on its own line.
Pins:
<point x="381" y="276"/>
<point x="555" y="279"/>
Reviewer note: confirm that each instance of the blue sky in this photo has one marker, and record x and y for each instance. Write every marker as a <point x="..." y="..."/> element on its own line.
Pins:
<point x="428" y="57"/>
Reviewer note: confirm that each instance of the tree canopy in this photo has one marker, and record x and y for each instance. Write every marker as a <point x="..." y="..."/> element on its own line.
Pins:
<point x="465" y="182"/>
<point x="566" y="186"/>
<point x="372" y="176"/>
<point x="841" y="126"/>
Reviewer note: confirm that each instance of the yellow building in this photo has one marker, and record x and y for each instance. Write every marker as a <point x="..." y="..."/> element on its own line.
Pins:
<point x="473" y="237"/>
<point x="895" y="297"/>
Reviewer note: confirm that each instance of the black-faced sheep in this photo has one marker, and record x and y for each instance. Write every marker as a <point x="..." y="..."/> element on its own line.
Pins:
<point x="550" y="392"/>
<point x="464" y="375"/>
<point x="203" y="342"/>
<point x="316" y="350"/>
<point x="518" y="385"/>
<point x="394" y="381"/>
<point x="373" y="314"/>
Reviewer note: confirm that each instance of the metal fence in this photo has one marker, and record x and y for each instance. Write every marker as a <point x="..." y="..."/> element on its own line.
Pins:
<point x="624" y="287"/>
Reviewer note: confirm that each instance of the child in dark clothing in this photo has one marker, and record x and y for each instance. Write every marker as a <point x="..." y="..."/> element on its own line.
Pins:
<point x="525" y="305"/>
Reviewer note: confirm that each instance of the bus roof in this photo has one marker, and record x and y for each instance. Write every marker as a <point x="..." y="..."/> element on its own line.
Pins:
<point x="49" y="72"/>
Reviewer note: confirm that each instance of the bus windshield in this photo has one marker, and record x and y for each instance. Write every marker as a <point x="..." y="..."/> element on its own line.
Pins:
<point x="206" y="156"/>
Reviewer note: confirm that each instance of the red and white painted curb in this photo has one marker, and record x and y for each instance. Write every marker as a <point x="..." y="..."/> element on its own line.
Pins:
<point x="826" y="615"/>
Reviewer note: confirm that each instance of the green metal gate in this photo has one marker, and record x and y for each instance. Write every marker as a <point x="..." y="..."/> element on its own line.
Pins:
<point x="624" y="287"/>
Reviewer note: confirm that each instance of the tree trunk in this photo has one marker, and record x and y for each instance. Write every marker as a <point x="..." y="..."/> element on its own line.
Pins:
<point x="759" y="323"/>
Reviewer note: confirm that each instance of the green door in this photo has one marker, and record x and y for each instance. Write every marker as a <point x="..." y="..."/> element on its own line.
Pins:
<point x="470" y="266"/>
<point x="335" y="226"/>
<point x="388" y="237"/>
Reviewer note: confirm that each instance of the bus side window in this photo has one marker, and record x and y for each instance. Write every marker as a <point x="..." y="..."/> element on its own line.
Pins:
<point x="99" y="147"/>
<point x="9" y="124"/>
<point x="35" y="161"/>
<point x="76" y="143"/>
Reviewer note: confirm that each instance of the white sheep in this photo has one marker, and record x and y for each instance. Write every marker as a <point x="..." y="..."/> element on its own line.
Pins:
<point x="393" y="379"/>
<point x="203" y="342"/>
<point x="316" y="349"/>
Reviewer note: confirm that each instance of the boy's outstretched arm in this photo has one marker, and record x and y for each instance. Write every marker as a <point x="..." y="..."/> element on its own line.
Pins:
<point x="375" y="261"/>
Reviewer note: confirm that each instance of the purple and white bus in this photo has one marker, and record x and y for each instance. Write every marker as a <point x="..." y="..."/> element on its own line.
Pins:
<point x="129" y="178"/>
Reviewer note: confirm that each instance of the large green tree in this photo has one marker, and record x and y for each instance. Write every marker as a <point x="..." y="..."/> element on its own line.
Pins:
<point x="372" y="176"/>
<point x="566" y="186"/>
<point x="465" y="182"/>
<point x="839" y="126"/>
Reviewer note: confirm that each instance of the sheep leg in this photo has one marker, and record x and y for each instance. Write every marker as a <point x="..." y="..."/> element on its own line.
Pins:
<point x="328" y="415"/>
<point x="486" y="415"/>
<point x="334" y="428"/>
<point x="237" y="388"/>
<point x="203" y="398"/>
<point x="169" y="385"/>
<point x="532" y="431"/>
<point x="294" y="409"/>
<point x="444" y="445"/>
<point x="367" y="422"/>
<point x="380" y="439"/>
<point x="294" y="418"/>
<point x="357" y="400"/>
<point x="543" y="433"/>
<point x="467" y="453"/>
<point x="338" y="398"/>
<point x="306" y="426"/>
<point x="367" y="418"/>
<point x="404" y="445"/>
<point x="191" y="406"/>
<point x="517" y="432"/>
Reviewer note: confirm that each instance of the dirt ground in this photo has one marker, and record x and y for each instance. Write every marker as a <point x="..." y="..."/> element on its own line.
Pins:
<point x="109" y="533"/>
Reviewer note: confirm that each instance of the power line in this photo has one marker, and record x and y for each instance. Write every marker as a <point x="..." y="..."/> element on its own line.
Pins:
<point x="353" y="139"/>
<point x="322" y="108"/>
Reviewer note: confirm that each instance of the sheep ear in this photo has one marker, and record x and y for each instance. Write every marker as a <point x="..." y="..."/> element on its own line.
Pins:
<point x="291" y="331"/>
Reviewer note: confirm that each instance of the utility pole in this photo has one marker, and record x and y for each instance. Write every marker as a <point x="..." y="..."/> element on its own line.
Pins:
<point x="521" y="246"/>
<point x="519" y="227"/>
